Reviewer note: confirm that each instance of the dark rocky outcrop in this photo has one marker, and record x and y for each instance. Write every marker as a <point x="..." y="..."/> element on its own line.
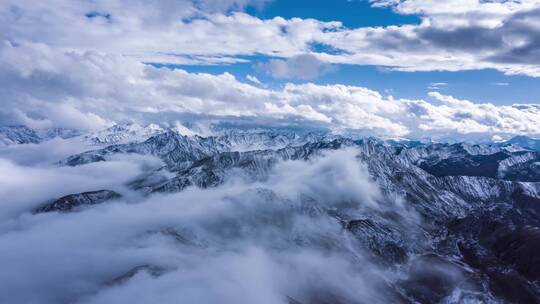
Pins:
<point x="71" y="202"/>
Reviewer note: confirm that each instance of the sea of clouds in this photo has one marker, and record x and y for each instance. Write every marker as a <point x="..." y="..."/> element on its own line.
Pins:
<point x="269" y="241"/>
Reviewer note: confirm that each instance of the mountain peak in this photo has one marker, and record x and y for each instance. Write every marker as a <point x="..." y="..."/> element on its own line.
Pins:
<point x="12" y="135"/>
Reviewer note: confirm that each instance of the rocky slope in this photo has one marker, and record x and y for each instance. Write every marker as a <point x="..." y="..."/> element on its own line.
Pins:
<point x="79" y="200"/>
<point x="14" y="135"/>
<point x="455" y="222"/>
<point x="122" y="133"/>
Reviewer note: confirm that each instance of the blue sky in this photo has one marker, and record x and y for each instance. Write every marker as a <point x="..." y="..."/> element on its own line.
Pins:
<point x="486" y="85"/>
<point x="478" y="85"/>
<point x="352" y="13"/>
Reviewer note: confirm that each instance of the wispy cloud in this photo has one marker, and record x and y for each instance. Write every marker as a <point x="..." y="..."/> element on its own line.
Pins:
<point x="437" y="85"/>
<point x="253" y="79"/>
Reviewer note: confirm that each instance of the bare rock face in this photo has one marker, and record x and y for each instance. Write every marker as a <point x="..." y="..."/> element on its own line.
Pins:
<point x="520" y="247"/>
<point x="433" y="278"/>
<point x="479" y="207"/>
<point x="73" y="201"/>
<point x="152" y="270"/>
<point x="17" y="135"/>
<point x="13" y="135"/>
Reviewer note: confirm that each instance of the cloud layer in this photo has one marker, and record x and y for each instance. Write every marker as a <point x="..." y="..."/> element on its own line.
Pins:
<point x="453" y="36"/>
<point x="54" y="76"/>
<point x="89" y="64"/>
<point x="47" y="87"/>
<point x="304" y="67"/>
<point x="238" y="243"/>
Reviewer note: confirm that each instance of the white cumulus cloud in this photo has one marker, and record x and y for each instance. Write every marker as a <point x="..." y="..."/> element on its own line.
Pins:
<point x="93" y="89"/>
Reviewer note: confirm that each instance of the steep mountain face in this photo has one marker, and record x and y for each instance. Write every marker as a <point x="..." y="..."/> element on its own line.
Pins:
<point x="440" y="180"/>
<point x="523" y="166"/>
<point x="174" y="149"/>
<point x="420" y="171"/>
<point x="476" y="160"/>
<point x="122" y="133"/>
<point x="261" y="140"/>
<point x="70" y="202"/>
<point x="117" y="134"/>
<point x="179" y="151"/>
<point x="451" y="223"/>
<point x="18" y="135"/>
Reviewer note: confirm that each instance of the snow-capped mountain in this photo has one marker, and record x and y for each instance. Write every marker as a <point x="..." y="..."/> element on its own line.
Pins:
<point x="116" y="134"/>
<point x="449" y="221"/>
<point x="70" y="202"/>
<point x="13" y="135"/>
<point x="524" y="142"/>
<point x="122" y="133"/>
<point x="178" y="151"/>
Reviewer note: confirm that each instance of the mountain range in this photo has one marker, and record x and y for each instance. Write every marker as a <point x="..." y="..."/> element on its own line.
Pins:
<point x="474" y="236"/>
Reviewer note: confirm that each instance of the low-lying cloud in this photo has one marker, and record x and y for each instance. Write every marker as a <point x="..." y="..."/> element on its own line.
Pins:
<point x="241" y="242"/>
<point x="26" y="187"/>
